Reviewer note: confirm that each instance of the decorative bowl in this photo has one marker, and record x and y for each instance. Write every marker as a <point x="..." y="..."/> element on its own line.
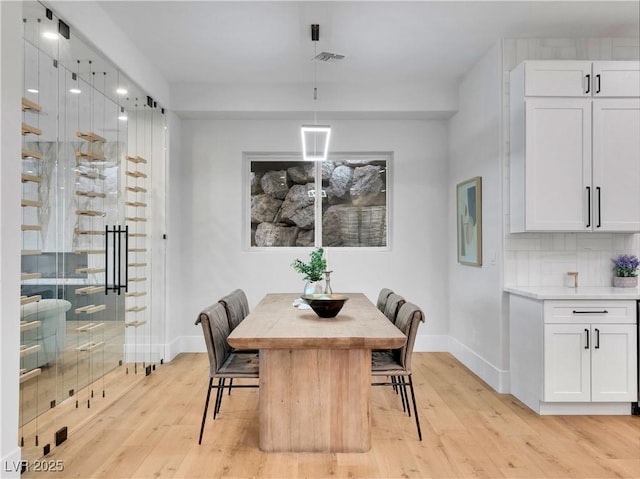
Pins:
<point x="325" y="305"/>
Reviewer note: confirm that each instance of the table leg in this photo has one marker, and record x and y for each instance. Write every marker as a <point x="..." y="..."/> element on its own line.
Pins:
<point x="315" y="400"/>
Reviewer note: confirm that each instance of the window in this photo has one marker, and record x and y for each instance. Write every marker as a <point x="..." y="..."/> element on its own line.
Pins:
<point x="350" y="211"/>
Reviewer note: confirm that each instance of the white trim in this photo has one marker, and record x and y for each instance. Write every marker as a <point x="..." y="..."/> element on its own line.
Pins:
<point x="593" y="408"/>
<point x="498" y="379"/>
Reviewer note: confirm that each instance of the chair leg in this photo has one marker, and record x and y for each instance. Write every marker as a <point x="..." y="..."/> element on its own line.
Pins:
<point x="415" y="409"/>
<point x="403" y="393"/>
<point x="206" y="406"/>
<point x="216" y="408"/>
<point x="230" y="384"/>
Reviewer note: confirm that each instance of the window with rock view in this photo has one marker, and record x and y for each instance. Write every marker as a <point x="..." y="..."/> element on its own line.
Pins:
<point x="350" y="211"/>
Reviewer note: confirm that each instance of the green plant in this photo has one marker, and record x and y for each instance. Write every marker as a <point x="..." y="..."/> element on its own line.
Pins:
<point x="313" y="270"/>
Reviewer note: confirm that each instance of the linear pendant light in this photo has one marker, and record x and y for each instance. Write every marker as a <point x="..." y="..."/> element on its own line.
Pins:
<point x="315" y="138"/>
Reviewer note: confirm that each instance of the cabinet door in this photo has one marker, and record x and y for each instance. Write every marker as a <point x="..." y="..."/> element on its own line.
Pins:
<point x="566" y="362"/>
<point x="616" y="79"/>
<point x="616" y="164"/>
<point x="614" y="373"/>
<point x="558" y="78"/>
<point x="557" y="164"/>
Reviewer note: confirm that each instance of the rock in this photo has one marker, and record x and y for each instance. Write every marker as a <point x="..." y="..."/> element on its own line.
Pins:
<point x="298" y="207"/>
<point x="274" y="183"/>
<point x="268" y="234"/>
<point x="306" y="238"/>
<point x="264" y="208"/>
<point x="302" y="174"/>
<point x="332" y="227"/>
<point x="256" y="187"/>
<point x="367" y="188"/>
<point x="340" y="184"/>
<point x="327" y="170"/>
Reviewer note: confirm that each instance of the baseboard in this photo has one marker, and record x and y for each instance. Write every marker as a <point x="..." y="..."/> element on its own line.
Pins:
<point x="11" y="465"/>
<point x="498" y="379"/>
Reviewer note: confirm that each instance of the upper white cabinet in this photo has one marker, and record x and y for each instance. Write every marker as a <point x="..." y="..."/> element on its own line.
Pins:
<point x="575" y="157"/>
<point x="581" y="78"/>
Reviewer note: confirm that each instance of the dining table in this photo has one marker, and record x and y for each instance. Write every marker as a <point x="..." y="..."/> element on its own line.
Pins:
<point x="315" y="373"/>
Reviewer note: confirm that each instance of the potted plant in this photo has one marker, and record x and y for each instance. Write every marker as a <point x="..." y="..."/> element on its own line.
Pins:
<point x="626" y="269"/>
<point x="313" y="271"/>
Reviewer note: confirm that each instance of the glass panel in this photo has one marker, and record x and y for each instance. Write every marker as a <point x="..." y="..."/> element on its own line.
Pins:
<point x="354" y="208"/>
<point x="282" y="203"/>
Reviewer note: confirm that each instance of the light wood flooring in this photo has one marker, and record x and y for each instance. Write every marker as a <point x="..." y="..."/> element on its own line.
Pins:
<point x="469" y="431"/>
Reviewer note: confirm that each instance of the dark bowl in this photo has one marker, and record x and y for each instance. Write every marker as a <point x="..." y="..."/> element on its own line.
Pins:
<point x="325" y="305"/>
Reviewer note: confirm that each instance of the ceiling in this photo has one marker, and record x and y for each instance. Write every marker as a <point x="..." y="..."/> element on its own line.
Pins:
<point x="228" y="42"/>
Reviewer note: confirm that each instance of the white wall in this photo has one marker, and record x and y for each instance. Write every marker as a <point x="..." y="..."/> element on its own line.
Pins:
<point x="543" y="259"/>
<point x="10" y="168"/>
<point x="211" y="215"/>
<point x="478" y="329"/>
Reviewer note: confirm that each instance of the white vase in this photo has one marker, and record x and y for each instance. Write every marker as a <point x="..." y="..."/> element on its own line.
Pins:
<point x="313" y="287"/>
<point x="625" y="282"/>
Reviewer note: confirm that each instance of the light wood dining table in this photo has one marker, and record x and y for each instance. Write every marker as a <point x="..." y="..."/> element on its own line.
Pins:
<point x="315" y="373"/>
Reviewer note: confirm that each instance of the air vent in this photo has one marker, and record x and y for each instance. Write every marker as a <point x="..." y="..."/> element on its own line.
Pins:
<point x="328" y="57"/>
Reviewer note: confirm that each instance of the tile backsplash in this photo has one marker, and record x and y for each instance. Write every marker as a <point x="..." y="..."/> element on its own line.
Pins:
<point x="543" y="259"/>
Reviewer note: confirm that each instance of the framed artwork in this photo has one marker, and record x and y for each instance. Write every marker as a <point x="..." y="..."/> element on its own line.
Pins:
<point x="469" y="221"/>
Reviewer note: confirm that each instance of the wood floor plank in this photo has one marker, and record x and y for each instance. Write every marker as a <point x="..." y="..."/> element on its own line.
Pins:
<point x="151" y="431"/>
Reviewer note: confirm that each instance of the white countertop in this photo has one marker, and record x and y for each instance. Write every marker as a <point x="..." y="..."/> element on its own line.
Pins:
<point x="587" y="292"/>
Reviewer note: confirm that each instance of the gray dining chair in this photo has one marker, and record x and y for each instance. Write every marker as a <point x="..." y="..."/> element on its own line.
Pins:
<point x="236" y="307"/>
<point x="392" y="306"/>
<point x="223" y="362"/>
<point x="396" y="363"/>
<point x="382" y="298"/>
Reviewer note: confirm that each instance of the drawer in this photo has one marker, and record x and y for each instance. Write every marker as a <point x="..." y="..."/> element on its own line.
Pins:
<point x="589" y="311"/>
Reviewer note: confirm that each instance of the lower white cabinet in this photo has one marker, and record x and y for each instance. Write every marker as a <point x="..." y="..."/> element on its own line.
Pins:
<point x="574" y="356"/>
<point x="590" y="362"/>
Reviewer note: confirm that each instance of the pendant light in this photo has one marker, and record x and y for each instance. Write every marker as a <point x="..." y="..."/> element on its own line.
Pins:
<point x="315" y="138"/>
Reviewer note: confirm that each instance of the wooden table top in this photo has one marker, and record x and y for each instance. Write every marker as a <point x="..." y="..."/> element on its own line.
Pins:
<point x="276" y="324"/>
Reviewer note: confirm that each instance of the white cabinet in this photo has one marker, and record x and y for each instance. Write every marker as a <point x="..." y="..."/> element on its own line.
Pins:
<point x="569" y="78"/>
<point x="589" y="362"/>
<point x="574" y="158"/>
<point x="574" y="356"/>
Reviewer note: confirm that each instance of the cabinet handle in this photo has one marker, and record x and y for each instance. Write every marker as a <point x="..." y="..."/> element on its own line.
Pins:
<point x="588" y="207"/>
<point x="598" y="83"/>
<point x="587" y="345"/>
<point x="588" y="84"/>
<point x="604" y="311"/>
<point x="597" y="346"/>
<point x="599" y="209"/>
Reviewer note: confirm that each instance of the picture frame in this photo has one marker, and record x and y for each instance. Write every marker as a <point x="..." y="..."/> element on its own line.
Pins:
<point x="469" y="221"/>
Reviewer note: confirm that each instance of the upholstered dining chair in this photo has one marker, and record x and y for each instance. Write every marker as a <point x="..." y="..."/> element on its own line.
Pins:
<point x="392" y="306"/>
<point x="223" y="362"/>
<point x="382" y="298"/>
<point x="236" y="306"/>
<point x="396" y="363"/>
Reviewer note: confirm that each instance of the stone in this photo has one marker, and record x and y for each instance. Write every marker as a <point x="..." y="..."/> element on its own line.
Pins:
<point x="340" y="184"/>
<point x="298" y="207"/>
<point x="367" y="188"/>
<point x="302" y="174"/>
<point x="264" y="208"/>
<point x="269" y="234"/>
<point x="275" y="183"/>
<point x="256" y="187"/>
<point x="306" y="238"/>
<point x="327" y="169"/>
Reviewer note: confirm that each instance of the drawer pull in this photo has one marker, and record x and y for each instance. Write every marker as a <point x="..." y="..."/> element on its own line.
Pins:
<point x="604" y="311"/>
<point x="597" y="346"/>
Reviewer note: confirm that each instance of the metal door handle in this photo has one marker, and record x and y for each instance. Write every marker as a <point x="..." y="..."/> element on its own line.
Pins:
<point x="587" y="345"/>
<point x="597" y="346"/>
<point x="598" y="83"/>
<point x="604" y="311"/>
<point x="588" y="84"/>
<point x="588" y="207"/>
<point x="599" y="207"/>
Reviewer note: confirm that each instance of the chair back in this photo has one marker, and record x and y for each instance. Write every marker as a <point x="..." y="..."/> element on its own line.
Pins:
<point x="215" y="328"/>
<point x="382" y="298"/>
<point x="236" y="307"/>
<point x="408" y="319"/>
<point x="391" y="308"/>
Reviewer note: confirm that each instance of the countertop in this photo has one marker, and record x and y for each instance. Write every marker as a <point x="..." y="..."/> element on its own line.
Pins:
<point x="586" y="292"/>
